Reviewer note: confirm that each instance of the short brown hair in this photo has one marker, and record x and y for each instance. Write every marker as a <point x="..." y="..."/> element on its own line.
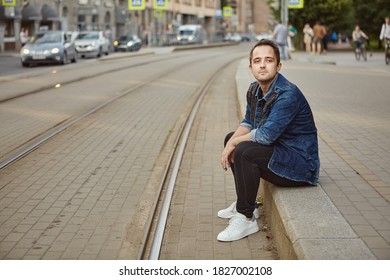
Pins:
<point x="266" y="42"/>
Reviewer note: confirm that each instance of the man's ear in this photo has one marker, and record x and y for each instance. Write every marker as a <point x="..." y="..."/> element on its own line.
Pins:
<point x="279" y="67"/>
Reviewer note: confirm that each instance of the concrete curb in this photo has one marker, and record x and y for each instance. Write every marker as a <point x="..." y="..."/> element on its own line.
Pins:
<point x="304" y="222"/>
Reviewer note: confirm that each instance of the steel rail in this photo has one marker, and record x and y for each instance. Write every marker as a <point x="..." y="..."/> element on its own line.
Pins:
<point x="86" y="77"/>
<point x="53" y="132"/>
<point x="182" y="138"/>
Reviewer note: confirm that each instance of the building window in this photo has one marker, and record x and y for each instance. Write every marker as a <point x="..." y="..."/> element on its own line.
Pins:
<point x="81" y="22"/>
<point x="95" y="22"/>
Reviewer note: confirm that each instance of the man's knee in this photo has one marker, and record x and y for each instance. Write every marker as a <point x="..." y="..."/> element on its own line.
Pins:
<point x="242" y="148"/>
<point x="250" y="150"/>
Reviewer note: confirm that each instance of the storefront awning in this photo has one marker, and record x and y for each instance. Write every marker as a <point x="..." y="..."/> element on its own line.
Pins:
<point x="29" y="12"/>
<point x="7" y="13"/>
<point x="48" y="13"/>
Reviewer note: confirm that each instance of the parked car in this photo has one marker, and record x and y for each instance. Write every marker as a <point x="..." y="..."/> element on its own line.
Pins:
<point x="235" y="37"/>
<point x="48" y="47"/>
<point x="127" y="43"/>
<point x="92" y="43"/>
<point x="248" y="37"/>
<point x="190" y="34"/>
<point x="264" y="36"/>
<point x="72" y="35"/>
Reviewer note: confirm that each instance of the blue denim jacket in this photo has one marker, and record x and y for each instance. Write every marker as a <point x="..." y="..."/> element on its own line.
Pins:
<point x="283" y="118"/>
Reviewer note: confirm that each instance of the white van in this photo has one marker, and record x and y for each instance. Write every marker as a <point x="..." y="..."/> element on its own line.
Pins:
<point x="190" y="34"/>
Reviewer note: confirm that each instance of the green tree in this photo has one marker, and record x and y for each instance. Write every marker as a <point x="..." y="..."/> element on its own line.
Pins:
<point x="335" y="14"/>
<point x="369" y="15"/>
<point x="340" y="15"/>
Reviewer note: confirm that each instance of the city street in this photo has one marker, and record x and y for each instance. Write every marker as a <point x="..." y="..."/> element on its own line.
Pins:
<point x="11" y="65"/>
<point x="87" y="192"/>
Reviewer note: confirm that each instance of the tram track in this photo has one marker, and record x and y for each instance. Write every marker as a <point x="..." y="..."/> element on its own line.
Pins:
<point x="41" y="137"/>
<point x="84" y="76"/>
<point x="152" y="242"/>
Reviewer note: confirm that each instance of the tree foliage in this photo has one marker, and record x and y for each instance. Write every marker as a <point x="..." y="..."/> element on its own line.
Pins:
<point x="340" y="15"/>
<point x="370" y="15"/>
<point x="336" y="14"/>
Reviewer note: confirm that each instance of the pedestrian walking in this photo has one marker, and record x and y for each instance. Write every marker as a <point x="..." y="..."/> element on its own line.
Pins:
<point x="292" y="32"/>
<point x="280" y="35"/>
<point x="319" y="33"/>
<point x="23" y="36"/>
<point x="308" y="37"/>
<point x="325" y="39"/>
<point x="276" y="141"/>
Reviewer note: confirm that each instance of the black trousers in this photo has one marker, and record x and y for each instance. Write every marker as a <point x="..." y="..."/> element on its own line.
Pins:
<point x="250" y="164"/>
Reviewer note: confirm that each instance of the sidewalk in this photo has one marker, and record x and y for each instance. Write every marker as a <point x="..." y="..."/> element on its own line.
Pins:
<point x="342" y="218"/>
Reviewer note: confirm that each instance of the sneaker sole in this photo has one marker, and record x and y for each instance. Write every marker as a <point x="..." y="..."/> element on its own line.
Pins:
<point x="225" y="217"/>
<point x="247" y="233"/>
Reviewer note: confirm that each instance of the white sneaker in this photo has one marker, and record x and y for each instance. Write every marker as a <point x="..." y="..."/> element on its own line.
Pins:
<point x="228" y="212"/>
<point x="239" y="227"/>
<point x="256" y="213"/>
<point x="231" y="211"/>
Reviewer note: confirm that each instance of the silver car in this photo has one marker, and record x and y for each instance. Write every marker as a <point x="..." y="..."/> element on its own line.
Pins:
<point x="92" y="43"/>
<point x="48" y="47"/>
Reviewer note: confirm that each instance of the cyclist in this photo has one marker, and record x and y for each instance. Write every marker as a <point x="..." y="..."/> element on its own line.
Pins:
<point x="385" y="31"/>
<point x="385" y="36"/>
<point x="358" y="36"/>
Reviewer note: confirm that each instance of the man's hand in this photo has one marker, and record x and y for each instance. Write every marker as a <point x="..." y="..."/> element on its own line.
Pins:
<point x="241" y="134"/>
<point x="227" y="156"/>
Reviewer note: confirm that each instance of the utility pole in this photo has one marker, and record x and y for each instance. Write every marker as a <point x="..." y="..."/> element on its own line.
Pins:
<point x="284" y="12"/>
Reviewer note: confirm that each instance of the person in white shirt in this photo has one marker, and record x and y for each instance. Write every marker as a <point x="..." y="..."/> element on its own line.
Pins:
<point x="385" y="31"/>
<point x="23" y="36"/>
<point x="308" y="37"/>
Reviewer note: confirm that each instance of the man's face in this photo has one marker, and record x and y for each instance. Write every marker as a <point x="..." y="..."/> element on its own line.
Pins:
<point x="264" y="65"/>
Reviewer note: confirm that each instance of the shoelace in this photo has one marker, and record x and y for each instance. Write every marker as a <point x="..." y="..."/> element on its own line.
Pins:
<point x="233" y="224"/>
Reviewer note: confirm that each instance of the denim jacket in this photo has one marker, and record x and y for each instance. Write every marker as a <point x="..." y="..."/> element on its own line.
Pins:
<point x="283" y="118"/>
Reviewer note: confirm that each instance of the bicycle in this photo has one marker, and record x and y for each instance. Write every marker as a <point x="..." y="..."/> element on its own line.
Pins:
<point x="387" y="51"/>
<point x="360" y="50"/>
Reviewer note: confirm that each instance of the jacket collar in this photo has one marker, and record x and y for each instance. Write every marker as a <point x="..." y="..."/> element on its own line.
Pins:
<point x="274" y="87"/>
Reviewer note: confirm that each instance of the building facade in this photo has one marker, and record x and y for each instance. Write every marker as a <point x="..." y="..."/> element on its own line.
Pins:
<point x="114" y="17"/>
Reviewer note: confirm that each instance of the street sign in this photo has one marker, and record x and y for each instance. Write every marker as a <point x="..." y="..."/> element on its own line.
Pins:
<point x="160" y="4"/>
<point x="218" y="14"/>
<point x="136" y="5"/>
<point x="158" y="13"/>
<point x="295" y="4"/>
<point x="227" y="11"/>
<point x="8" y="3"/>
